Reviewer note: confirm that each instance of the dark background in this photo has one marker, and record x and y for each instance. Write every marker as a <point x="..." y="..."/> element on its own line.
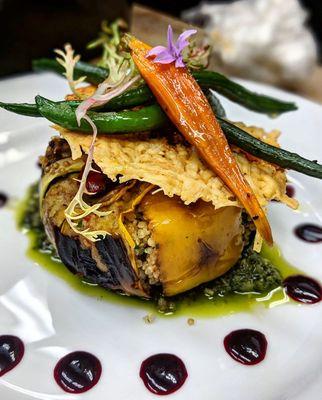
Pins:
<point x="32" y="28"/>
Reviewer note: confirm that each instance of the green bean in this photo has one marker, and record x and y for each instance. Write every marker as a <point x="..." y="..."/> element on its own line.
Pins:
<point x="144" y="119"/>
<point x="239" y="94"/>
<point x="274" y="155"/>
<point x="215" y="103"/>
<point x="152" y="117"/>
<point x="131" y="98"/>
<point x="30" y="110"/>
<point x="206" y="79"/>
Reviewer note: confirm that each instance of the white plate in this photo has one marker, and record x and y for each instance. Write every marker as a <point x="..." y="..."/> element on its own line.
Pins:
<point x="53" y="319"/>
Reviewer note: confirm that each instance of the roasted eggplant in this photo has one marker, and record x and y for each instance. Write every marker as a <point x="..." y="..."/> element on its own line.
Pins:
<point x="153" y="242"/>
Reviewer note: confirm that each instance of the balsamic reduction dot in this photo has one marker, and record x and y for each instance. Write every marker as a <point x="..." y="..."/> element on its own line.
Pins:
<point x="309" y="233"/>
<point x="3" y="199"/>
<point x="78" y="372"/>
<point x="303" y="289"/>
<point x="246" y="346"/>
<point x="290" y="190"/>
<point x="11" y="352"/>
<point x="163" y="373"/>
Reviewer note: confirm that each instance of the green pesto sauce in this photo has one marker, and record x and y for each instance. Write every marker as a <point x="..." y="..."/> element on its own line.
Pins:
<point x="192" y="304"/>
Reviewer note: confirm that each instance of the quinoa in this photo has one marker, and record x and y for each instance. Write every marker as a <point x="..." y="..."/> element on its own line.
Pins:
<point x="145" y="247"/>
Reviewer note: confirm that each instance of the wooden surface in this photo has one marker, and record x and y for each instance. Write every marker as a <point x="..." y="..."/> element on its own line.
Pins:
<point x="151" y="26"/>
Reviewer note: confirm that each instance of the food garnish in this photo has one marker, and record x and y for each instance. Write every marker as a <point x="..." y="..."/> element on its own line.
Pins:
<point x="187" y="107"/>
<point x="122" y="72"/>
<point x="265" y="151"/>
<point x="68" y="61"/>
<point x="150" y="186"/>
<point x="138" y="120"/>
<point x="173" y="51"/>
<point x="151" y="117"/>
<point x="206" y="79"/>
<point x="93" y="73"/>
<point x="78" y="209"/>
<point x="122" y="75"/>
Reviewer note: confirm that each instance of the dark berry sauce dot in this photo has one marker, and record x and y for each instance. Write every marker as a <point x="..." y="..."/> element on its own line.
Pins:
<point x="246" y="346"/>
<point x="303" y="289"/>
<point x="78" y="372"/>
<point x="163" y="373"/>
<point x="309" y="233"/>
<point x="3" y="199"/>
<point x="11" y="352"/>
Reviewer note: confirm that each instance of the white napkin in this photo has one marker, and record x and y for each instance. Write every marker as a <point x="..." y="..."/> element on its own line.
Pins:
<point x="261" y="39"/>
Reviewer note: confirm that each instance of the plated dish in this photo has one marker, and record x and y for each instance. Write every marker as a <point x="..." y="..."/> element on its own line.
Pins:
<point x="147" y="187"/>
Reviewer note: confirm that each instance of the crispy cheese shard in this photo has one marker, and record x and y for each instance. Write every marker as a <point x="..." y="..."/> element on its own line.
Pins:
<point x="178" y="170"/>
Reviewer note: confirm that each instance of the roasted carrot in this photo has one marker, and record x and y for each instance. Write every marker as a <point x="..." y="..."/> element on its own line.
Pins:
<point x="187" y="107"/>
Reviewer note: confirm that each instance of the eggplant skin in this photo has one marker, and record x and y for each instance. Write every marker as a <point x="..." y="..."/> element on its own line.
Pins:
<point x="113" y="253"/>
<point x="105" y="262"/>
<point x="119" y="275"/>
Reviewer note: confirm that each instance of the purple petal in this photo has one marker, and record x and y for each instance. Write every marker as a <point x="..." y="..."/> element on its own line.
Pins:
<point x="171" y="44"/>
<point x="166" y="55"/>
<point x="179" y="62"/>
<point x="186" y="34"/>
<point x="156" y="51"/>
<point x="182" y="39"/>
<point x="164" y="58"/>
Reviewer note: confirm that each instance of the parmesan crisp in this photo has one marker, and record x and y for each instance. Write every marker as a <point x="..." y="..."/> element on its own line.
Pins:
<point x="178" y="170"/>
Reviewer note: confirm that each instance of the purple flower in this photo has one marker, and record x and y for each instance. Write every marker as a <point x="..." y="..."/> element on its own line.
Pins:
<point x="173" y="52"/>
